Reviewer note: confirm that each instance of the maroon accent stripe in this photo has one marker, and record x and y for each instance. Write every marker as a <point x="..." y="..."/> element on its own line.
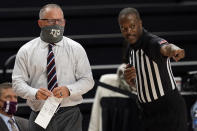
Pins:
<point x="51" y="74"/>
<point x="56" y="85"/>
<point x="52" y="81"/>
<point x="51" y="64"/>
<point x="50" y="56"/>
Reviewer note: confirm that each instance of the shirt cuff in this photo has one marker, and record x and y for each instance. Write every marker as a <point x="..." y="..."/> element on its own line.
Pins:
<point x="33" y="93"/>
<point x="71" y="91"/>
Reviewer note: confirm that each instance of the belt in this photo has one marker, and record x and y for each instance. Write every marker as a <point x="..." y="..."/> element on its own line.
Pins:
<point x="63" y="109"/>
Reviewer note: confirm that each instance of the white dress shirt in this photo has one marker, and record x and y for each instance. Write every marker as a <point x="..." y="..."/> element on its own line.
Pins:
<point x="6" y="119"/>
<point x="72" y="68"/>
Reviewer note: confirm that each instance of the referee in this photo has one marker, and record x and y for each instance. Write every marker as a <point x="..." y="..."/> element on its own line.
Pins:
<point x="150" y="71"/>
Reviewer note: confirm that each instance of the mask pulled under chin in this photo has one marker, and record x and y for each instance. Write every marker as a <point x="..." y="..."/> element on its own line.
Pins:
<point x="52" y="34"/>
<point x="10" y="107"/>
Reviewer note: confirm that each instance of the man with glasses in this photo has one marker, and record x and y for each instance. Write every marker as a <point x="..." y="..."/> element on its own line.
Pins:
<point x="53" y="66"/>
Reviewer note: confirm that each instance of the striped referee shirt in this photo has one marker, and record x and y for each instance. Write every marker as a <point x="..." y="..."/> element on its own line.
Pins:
<point x="154" y="74"/>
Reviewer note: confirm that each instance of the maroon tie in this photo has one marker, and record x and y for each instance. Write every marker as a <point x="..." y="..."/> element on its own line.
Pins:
<point x="51" y="69"/>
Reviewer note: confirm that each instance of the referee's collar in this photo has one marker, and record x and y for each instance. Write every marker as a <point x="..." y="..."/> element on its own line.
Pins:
<point x="139" y="43"/>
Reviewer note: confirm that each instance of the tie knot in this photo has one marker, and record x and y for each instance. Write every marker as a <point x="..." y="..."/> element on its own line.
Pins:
<point x="51" y="45"/>
<point x="13" y="127"/>
<point x="11" y="121"/>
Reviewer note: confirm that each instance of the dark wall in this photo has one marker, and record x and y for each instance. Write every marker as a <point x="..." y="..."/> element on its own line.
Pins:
<point x="38" y="3"/>
<point x="94" y="24"/>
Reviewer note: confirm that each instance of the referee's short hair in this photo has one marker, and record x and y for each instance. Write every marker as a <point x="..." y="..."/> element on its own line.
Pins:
<point x="129" y="10"/>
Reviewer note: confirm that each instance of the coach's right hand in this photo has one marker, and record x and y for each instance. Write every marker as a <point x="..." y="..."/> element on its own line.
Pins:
<point x="43" y="94"/>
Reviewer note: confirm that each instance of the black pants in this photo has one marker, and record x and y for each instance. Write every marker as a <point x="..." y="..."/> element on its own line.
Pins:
<point x="168" y="113"/>
<point x="66" y="119"/>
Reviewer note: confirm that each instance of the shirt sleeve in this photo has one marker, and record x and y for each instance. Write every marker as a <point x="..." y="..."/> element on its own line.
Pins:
<point x="155" y="46"/>
<point x="20" y="77"/>
<point x="83" y="74"/>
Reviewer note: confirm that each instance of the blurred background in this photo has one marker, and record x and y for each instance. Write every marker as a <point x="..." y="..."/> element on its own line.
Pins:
<point x="93" y="23"/>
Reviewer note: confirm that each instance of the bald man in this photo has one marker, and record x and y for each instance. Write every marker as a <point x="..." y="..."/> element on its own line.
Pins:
<point x="53" y="65"/>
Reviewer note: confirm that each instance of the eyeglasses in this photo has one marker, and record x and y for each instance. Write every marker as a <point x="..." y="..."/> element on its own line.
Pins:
<point x="53" y="21"/>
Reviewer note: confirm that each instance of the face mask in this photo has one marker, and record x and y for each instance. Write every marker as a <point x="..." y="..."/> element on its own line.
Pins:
<point x="10" y="107"/>
<point x="52" y="34"/>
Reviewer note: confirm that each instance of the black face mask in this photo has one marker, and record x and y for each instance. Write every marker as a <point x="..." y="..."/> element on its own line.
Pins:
<point x="10" y="107"/>
<point x="52" y="34"/>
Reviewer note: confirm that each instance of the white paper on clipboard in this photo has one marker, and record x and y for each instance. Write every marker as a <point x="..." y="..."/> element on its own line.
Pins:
<point x="47" y="111"/>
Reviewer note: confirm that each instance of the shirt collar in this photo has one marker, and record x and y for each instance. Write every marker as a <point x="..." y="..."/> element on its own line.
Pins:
<point x="6" y="118"/>
<point x="45" y="44"/>
<point x="140" y="43"/>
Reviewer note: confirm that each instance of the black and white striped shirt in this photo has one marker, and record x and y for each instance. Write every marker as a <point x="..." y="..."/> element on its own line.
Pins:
<point x="154" y="74"/>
